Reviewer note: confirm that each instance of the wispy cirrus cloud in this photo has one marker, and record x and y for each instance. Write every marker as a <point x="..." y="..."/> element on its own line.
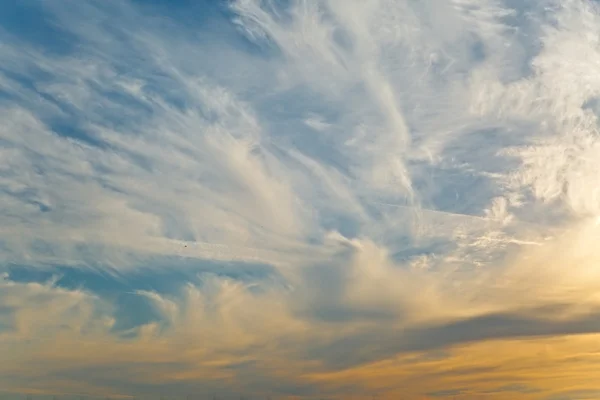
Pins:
<point x="320" y="195"/>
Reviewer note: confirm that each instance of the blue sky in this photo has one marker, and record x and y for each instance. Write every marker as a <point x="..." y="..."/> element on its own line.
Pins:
<point x="300" y="198"/>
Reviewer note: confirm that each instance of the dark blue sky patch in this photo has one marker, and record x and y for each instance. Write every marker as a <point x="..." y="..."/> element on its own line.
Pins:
<point x="28" y="196"/>
<point x="206" y="20"/>
<point x="133" y="310"/>
<point x="344" y="224"/>
<point x="67" y="122"/>
<point x="95" y="281"/>
<point x="71" y="129"/>
<point x="29" y="22"/>
<point x="166" y="277"/>
<point x="188" y="13"/>
<point x="27" y="80"/>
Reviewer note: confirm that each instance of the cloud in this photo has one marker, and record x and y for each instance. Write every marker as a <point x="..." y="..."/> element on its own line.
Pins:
<point x="221" y="331"/>
<point x="445" y="393"/>
<point x="515" y="388"/>
<point x="577" y="394"/>
<point x="321" y="196"/>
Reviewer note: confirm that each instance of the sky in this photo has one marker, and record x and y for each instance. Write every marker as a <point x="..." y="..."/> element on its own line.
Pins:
<point x="308" y="199"/>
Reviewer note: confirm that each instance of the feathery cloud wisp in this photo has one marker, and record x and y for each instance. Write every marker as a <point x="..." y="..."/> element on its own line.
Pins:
<point x="337" y="197"/>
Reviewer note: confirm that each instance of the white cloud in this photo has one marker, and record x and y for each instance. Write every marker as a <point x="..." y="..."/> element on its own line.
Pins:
<point x="403" y="164"/>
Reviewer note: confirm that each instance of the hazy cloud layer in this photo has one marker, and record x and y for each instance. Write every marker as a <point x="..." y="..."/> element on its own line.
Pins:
<point x="310" y="198"/>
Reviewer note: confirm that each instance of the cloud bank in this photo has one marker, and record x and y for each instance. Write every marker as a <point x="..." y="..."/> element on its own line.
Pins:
<point x="300" y="198"/>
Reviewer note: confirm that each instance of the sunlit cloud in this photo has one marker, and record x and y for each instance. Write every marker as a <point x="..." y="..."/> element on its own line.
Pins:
<point x="326" y="198"/>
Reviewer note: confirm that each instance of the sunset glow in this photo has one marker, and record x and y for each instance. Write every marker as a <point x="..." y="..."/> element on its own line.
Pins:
<point x="300" y="199"/>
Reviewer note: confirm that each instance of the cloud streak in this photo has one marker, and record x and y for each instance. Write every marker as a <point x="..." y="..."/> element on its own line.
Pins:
<point x="412" y="185"/>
